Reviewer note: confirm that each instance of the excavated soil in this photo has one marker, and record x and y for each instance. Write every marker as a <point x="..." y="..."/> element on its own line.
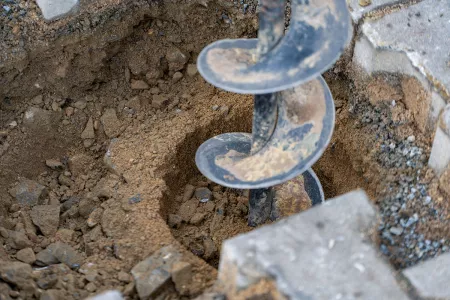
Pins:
<point x="100" y="135"/>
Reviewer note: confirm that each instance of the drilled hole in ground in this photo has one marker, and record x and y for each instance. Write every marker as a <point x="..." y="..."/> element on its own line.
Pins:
<point x="201" y="227"/>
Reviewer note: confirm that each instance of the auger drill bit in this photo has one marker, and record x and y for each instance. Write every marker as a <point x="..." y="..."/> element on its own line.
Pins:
<point x="293" y="117"/>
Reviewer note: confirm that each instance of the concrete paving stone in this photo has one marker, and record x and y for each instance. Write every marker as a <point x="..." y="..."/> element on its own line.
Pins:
<point x="445" y="119"/>
<point x="55" y="9"/>
<point x="431" y="278"/>
<point x="323" y="253"/>
<point x="420" y="32"/>
<point x="440" y="152"/>
<point x="357" y="11"/>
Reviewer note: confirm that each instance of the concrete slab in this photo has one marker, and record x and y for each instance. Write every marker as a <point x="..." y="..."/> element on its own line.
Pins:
<point x="445" y="120"/>
<point x="431" y="278"/>
<point x="357" y="11"/>
<point x="55" y="9"/>
<point x="440" y="152"/>
<point x="323" y="253"/>
<point x="421" y="32"/>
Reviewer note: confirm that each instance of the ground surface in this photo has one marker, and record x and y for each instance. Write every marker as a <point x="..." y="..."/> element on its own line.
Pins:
<point x="121" y="118"/>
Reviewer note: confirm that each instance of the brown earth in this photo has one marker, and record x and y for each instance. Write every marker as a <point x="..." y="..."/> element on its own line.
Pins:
<point x="108" y="124"/>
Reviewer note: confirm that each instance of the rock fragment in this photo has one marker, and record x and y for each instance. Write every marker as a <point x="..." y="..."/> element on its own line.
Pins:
<point x="182" y="276"/>
<point x="151" y="274"/>
<point x="95" y="217"/>
<point x="59" y="253"/>
<point x="177" y="59"/>
<point x="80" y="164"/>
<point x="86" y="206"/>
<point x="188" y="192"/>
<point x="18" y="240"/>
<point x="37" y="119"/>
<point x="52" y="294"/>
<point x="65" y="235"/>
<point x="111" y="123"/>
<point x="80" y="104"/>
<point x="38" y="100"/>
<point x="124" y="277"/>
<point x="203" y="194"/>
<point x="188" y="209"/>
<point x="192" y="70"/>
<point x="174" y="221"/>
<point x="139" y="85"/>
<point x="197" y="218"/>
<point x="29" y="192"/>
<point x="54" y="164"/>
<point x="88" y="132"/>
<point x="19" y="274"/>
<point x="113" y="221"/>
<point x="159" y="101"/>
<point x="46" y="217"/>
<point x="177" y="77"/>
<point x="26" y="255"/>
<point x="210" y="248"/>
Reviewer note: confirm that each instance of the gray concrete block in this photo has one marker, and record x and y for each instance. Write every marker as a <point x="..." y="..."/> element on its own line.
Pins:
<point x="437" y="105"/>
<point x="418" y="32"/>
<point x="372" y="59"/>
<point x="440" y="151"/>
<point x="323" y="253"/>
<point x="55" y="9"/>
<point x="431" y="278"/>
<point x="445" y="120"/>
<point x="357" y="11"/>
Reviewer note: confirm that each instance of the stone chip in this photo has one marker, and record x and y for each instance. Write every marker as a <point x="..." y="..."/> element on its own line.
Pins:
<point x="46" y="217"/>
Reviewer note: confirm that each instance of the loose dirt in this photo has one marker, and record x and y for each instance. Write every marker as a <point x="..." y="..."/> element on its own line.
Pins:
<point x="97" y="142"/>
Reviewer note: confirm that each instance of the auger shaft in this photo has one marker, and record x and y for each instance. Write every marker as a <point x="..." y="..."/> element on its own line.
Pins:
<point x="271" y="31"/>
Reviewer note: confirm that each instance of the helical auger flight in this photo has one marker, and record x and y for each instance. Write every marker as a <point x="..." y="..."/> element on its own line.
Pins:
<point x="294" y="113"/>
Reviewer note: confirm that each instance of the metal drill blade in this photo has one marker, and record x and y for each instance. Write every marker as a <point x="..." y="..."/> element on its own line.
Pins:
<point x="304" y="128"/>
<point x="317" y="35"/>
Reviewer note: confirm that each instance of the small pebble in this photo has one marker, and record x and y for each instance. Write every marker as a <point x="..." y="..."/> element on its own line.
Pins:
<point x="411" y="138"/>
<point x="364" y="3"/>
<point x="396" y="230"/>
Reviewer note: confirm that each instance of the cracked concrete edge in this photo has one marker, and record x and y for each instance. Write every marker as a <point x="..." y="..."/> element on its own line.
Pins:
<point x="246" y="260"/>
<point x="376" y="9"/>
<point x="368" y="60"/>
<point x="414" y="59"/>
<point x="370" y="57"/>
<point x="430" y="278"/>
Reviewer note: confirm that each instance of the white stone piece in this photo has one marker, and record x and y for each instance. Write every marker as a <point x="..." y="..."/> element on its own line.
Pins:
<point x="55" y="9"/>
<point x="108" y="295"/>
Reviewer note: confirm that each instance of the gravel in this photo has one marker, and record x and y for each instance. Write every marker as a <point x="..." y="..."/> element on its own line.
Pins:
<point x="406" y="204"/>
